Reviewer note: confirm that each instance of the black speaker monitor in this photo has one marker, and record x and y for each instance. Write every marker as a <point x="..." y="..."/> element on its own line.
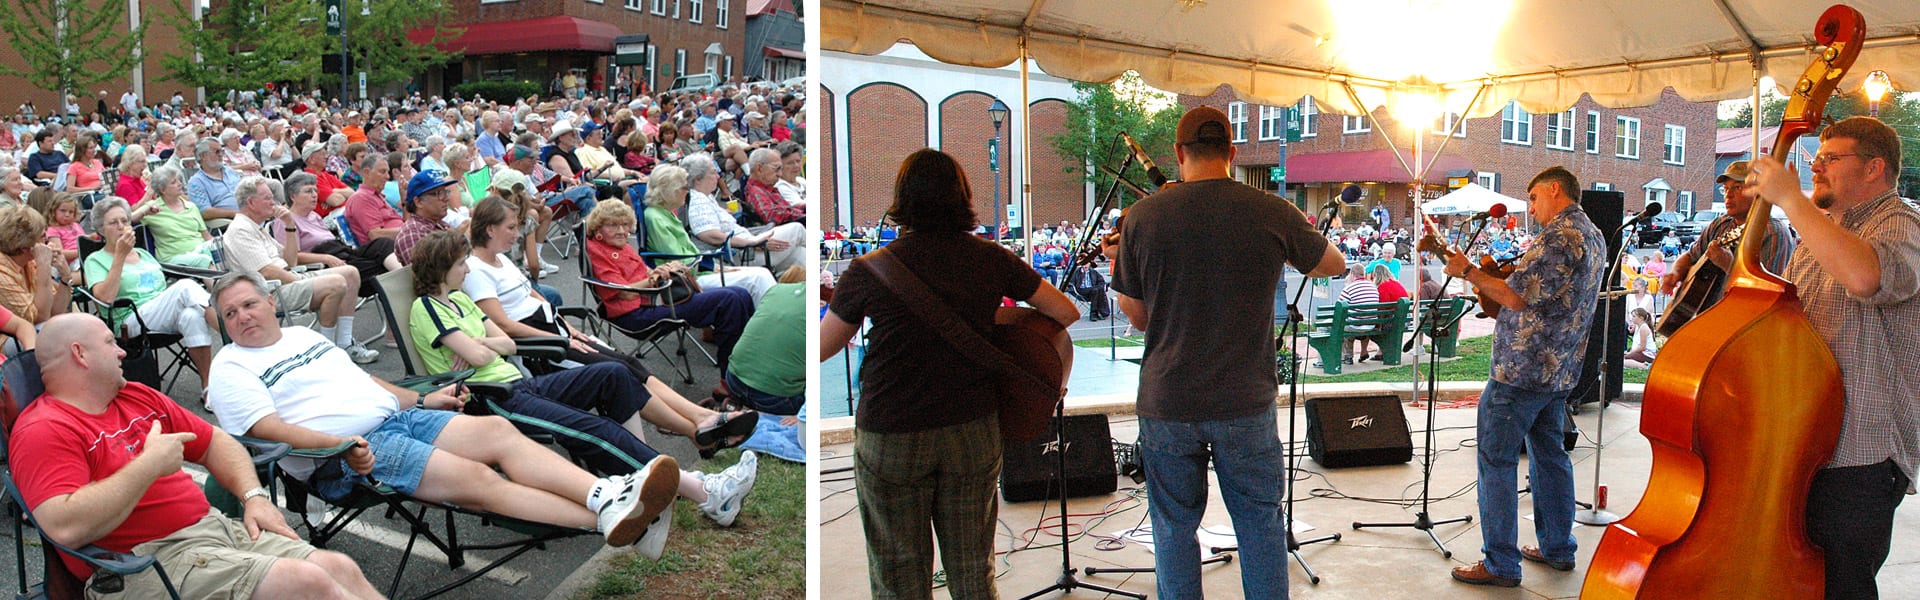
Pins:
<point x="1357" y="431"/>
<point x="1027" y="468"/>
<point x="1607" y="210"/>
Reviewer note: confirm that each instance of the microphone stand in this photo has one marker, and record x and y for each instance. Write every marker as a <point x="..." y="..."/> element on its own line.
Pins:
<point x="1429" y="327"/>
<point x="1598" y="514"/>
<point x="1068" y="581"/>
<point x="1291" y="332"/>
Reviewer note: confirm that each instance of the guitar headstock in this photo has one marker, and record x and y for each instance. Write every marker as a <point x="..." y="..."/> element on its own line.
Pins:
<point x="1432" y="242"/>
<point x="1842" y="30"/>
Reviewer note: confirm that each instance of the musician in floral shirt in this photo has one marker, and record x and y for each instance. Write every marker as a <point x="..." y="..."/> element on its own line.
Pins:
<point x="1538" y="343"/>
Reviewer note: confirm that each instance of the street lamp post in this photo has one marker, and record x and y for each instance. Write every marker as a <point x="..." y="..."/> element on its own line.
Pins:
<point x="1876" y="87"/>
<point x="998" y="112"/>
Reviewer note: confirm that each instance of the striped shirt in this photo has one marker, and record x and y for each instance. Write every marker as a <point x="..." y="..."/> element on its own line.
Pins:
<point x="1875" y="339"/>
<point x="1775" y="251"/>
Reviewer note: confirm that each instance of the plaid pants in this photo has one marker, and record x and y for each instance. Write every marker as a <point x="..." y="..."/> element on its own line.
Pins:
<point x="941" y="478"/>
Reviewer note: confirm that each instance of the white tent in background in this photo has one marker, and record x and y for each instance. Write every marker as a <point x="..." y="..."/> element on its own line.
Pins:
<point x="1471" y="198"/>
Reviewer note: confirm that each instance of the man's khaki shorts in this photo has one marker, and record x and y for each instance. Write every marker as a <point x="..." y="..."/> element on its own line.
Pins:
<point x="212" y="558"/>
<point x="297" y="295"/>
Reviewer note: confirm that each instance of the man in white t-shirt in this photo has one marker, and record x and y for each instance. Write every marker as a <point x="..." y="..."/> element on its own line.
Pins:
<point x="291" y="385"/>
<point x="251" y="249"/>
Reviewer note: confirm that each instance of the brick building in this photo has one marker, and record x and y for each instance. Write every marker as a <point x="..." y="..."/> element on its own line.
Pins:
<point x="878" y="109"/>
<point x="537" y="39"/>
<point x="144" y="80"/>
<point x="1661" y="153"/>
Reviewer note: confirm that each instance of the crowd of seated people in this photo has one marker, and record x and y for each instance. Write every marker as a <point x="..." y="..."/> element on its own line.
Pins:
<point x="291" y="204"/>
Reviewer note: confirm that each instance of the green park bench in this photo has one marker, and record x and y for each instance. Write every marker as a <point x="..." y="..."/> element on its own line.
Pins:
<point x="1330" y="335"/>
<point x="1446" y="343"/>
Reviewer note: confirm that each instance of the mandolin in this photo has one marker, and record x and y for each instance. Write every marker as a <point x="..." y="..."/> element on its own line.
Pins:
<point x="1703" y="286"/>
<point x="1499" y="269"/>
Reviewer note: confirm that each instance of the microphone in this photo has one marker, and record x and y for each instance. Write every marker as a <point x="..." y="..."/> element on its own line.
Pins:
<point x="1499" y="211"/>
<point x="1652" y="211"/>
<point x="1153" y="171"/>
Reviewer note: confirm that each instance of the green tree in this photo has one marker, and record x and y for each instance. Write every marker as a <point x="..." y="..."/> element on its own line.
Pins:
<point x="1097" y="115"/>
<point x="245" y="44"/>
<point x="1772" y="108"/>
<point x="1900" y="110"/>
<point x="68" y="44"/>
<point x="378" y="44"/>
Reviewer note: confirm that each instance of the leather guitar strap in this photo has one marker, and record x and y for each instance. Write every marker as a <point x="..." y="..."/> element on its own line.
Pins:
<point x="937" y="315"/>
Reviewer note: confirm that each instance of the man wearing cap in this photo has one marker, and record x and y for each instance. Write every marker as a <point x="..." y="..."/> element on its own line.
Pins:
<point x="1207" y="383"/>
<point x="1776" y="249"/>
<point x="558" y="157"/>
<point x="428" y="197"/>
<point x="333" y="192"/>
<point x="356" y="128"/>
<point x="414" y="125"/>
<point x="595" y="157"/>
<point x="708" y="115"/>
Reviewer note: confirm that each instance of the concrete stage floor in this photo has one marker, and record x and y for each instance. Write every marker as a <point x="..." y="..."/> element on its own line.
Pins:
<point x="1374" y="564"/>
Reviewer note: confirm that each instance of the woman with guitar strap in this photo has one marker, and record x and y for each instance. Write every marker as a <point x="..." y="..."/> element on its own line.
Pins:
<point x="927" y="452"/>
<point x="1858" y="274"/>
<point x="1699" y="276"/>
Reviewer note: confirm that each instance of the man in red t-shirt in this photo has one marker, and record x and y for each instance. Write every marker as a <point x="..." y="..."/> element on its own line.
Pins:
<point x="333" y="192"/>
<point x="368" y="214"/>
<point x="104" y="468"/>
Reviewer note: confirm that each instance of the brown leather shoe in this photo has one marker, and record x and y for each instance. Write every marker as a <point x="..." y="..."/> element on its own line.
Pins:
<point x="1479" y="575"/>
<point x="1532" y="553"/>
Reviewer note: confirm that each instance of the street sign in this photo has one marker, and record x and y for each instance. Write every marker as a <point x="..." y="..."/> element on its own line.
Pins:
<point x="333" y="18"/>
<point x="1292" y="118"/>
<point x="363" y="85"/>
<point x="993" y="155"/>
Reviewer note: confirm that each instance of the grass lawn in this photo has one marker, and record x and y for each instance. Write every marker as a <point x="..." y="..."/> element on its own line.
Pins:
<point x="1472" y="365"/>
<point x="763" y="555"/>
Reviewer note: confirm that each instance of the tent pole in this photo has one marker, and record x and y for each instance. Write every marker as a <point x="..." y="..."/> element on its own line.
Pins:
<point x="1756" y="108"/>
<point x="1026" y="146"/>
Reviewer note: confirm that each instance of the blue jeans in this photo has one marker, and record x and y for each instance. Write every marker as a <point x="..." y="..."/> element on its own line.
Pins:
<point x="552" y="293"/>
<point x="583" y="198"/>
<point x="1509" y="418"/>
<point x="1249" y="462"/>
<point x="762" y="401"/>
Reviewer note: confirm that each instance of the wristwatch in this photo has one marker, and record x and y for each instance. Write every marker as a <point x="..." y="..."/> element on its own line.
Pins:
<point x="260" y="491"/>
<point x="419" y="400"/>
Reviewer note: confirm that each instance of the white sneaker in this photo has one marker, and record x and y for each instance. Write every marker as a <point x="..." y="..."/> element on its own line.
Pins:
<point x="649" y="492"/>
<point x="725" y="493"/>
<point x="547" y="268"/>
<point x="653" y="543"/>
<point x="362" y="354"/>
<point x="747" y="470"/>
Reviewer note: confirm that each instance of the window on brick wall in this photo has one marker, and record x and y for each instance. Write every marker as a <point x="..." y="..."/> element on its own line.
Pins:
<point x="1593" y="132"/>
<point x="696" y="10"/>
<point x="676" y="9"/>
<point x="1357" y="124"/>
<point x="1685" y="204"/>
<point x="1309" y="118"/>
<point x="1676" y="153"/>
<point x="1490" y="181"/>
<point x="1237" y="117"/>
<point x="659" y="7"/>
<point x="1516" y="126"/>
<point x="597" y="1"/>
<point x="1273" y="122"/>
<point x="637" y="4"/>
<point x="728" y="73"/>
<point x="1560" y="130"/>
<point x="653" y="54"/>
<point x="679" y="62"/>
<point x="1626" y="137"/>
<point x="721" y="10"/>
<point x="1446" y="123"/>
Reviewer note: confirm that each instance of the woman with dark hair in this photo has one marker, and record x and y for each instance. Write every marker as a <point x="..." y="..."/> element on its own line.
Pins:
<point x="928" y="451"/>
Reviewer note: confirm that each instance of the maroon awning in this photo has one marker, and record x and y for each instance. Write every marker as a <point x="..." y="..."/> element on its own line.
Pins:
<point x="1370" y="165"/>
<point x="528" y="35"/>
<point x="778" y="52"/>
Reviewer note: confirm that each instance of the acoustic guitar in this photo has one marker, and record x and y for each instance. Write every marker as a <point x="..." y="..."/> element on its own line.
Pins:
<point x="1041" y="348"/>
<point x="1701" y="288"/>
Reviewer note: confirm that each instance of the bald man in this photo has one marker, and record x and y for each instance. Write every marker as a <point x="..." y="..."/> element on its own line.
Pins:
<point x="105" y="469"/>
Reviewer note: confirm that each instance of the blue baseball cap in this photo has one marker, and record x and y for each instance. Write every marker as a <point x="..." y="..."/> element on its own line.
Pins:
<point x="423" y="182"/>
<point x="588" y="129"/>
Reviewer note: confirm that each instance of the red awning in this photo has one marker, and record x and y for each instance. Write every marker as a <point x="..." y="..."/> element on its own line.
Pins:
<point x="528" y="35"/>
<point x="1370" y="165"/>
<point x="776" y="51"/>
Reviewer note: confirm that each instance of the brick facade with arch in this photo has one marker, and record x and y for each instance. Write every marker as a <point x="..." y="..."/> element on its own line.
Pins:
<point x="965" y="128"/>
<point x="1058" y="192"/>
<point x="891" y="123"/>
<point x="829" y="182"/>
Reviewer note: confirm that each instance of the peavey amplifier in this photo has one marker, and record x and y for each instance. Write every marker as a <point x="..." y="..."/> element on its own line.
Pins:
<point x="1027" y="468"/>
<point x="1357" y="432"/>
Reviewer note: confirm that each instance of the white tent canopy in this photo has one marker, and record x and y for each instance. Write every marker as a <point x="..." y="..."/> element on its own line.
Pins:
<point x="1542" y="53"/>
<point x="1471" y="198"/>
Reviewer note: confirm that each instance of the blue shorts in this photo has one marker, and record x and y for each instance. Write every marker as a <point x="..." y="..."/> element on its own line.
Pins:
<point x="400" y="446"/>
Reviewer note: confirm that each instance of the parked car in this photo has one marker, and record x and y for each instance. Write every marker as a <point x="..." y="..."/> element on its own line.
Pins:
<point x="1692" y="227"/>
<point x="1653" y="231"/>
<point x="696" y="82"/>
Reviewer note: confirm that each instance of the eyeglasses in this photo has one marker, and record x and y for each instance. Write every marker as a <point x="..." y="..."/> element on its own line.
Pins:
<point x="1824" y="159"/>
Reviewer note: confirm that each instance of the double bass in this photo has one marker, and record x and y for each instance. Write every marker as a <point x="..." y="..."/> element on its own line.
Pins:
<point x="1741" y="408"/>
